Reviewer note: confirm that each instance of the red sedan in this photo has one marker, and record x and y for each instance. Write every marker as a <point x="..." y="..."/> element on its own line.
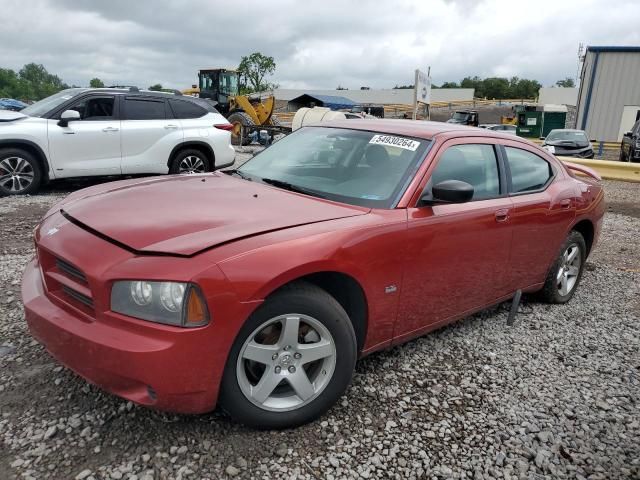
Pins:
<point x="258" y="289"/>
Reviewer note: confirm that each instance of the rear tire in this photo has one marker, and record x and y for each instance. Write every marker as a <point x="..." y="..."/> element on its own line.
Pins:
<point x="622" y="159"/>
<point x="565" y="274"/>
<point x="20" y="172"/>
<point x="190" y="161"/>
<point x="292" y="360"/>
<point x="238" y="120"/>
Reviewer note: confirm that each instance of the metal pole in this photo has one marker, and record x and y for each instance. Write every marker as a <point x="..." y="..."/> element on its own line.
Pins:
<point x="415" y="96"/>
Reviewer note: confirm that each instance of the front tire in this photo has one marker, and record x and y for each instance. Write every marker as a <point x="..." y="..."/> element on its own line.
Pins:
<point x="20" y="172"/>
<point x="565" y="274"/>
<point x="189" y="161"/>
<point x="291" y="361"/>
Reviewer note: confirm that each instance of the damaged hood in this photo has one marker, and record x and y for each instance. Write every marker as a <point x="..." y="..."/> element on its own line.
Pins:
<point x="183" y="215"/>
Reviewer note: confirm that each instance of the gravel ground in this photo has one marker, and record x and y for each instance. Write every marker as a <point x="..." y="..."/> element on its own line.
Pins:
<point x="554" y="396"/>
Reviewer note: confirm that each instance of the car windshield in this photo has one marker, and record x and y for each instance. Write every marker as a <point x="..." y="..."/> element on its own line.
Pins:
<point x="363" y="168"/>
<point x="460" y="116"/>
<point x="567" y="136"/>
<point x="45" y="105"/>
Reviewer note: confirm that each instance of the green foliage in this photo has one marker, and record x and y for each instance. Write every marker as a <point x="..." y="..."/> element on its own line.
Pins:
<point x="96" y="83"/>
<point x="32" y="82"/>
<point x="252" y="72"/>
<point x="567" y="82"/>
<point x="403" y="87"/>
<point x="499" y="88"/>
<point x="156" y="88"/>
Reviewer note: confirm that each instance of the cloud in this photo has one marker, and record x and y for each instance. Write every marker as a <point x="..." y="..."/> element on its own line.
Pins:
<point x="316" y="44"/>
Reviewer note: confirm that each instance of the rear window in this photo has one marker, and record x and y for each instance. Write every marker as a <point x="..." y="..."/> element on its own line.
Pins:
<point x="529" y="172"/>
<point x="186" y="109"/>
<point x="144" y="109"/>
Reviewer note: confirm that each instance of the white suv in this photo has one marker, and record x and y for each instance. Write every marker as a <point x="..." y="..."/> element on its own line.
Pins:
<point x="81" y="132"/>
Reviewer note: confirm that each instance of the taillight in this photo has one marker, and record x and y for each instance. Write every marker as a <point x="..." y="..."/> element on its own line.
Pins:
<point x="224" y="126"/>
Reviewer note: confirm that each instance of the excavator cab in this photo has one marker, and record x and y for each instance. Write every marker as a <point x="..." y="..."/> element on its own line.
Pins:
<point x="219" y="85"/>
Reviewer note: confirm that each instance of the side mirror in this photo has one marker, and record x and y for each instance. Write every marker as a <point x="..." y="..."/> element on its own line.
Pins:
<point x="627" y="134"/>
<point x="68" y="116"/>
<point x="449" y="191"/>
<point x="542" y="138"/>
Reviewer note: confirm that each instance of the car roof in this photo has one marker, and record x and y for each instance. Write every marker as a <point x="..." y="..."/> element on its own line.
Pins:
<point x="418" y="128"/>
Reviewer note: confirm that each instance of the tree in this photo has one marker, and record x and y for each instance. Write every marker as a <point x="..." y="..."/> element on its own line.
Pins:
<point x="403" y="87"/>
<point x="37" y="83"/>
<point x="567" y="82"/>
<point x="252" y="72"/>
<point x="96" y="83"/>
<point x="156" y="88"/>
<point x="449" y="85"/>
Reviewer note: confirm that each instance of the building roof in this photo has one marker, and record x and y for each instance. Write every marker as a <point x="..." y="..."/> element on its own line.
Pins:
<point x="613" y="48"/>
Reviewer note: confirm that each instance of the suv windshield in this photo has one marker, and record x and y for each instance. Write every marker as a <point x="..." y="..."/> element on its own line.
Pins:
<point x="351" y="166"/>
<point x="567" y="136"/>
<point x="45" y="105"/>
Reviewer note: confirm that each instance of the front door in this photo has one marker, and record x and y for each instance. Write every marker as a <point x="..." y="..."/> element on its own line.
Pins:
<point x="90" y="145"/>
<point x="457" y="254"/>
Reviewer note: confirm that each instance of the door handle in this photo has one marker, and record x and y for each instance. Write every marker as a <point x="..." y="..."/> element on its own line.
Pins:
<point x="502" y="215"/>
<point x="69" y="133"/>
<point x="171" y="127"/>
<point x="110" y="129"/>
<point x="565" y="203"/>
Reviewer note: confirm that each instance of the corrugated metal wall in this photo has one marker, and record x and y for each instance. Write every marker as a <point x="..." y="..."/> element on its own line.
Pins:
<point x="616" y="83"/>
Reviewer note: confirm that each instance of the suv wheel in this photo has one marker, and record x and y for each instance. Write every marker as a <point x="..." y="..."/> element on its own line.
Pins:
<point x="20" y="173"/>
<point x="291" y="361"/>
<point x="190" y="161"/>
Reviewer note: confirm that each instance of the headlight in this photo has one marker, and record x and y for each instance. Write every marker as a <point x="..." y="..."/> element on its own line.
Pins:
<point x="171" y="303"/>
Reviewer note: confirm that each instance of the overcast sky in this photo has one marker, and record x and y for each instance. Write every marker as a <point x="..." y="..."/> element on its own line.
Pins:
<point x="316" y="44"/>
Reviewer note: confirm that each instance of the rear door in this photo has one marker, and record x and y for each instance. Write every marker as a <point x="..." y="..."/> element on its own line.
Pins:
<point x="457" y="253"/>
<point x="543" y="209"/>
<point x="91" y="145"/>
<point x="149" y="134"/>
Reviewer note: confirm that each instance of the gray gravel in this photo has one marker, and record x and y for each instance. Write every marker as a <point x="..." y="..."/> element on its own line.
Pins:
<point x="555" y="396"/>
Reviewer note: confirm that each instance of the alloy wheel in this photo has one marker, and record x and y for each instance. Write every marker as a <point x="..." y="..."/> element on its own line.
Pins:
<point x="286" y="362"/>
<point x="16" y="174"/>
<point x="191" y="164"/>
<point x="569" y="270"/>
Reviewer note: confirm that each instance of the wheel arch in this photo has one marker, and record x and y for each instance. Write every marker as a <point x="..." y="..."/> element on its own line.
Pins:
<point x="345" y="289"/>
<point x="586" y="228"/>
<point x="32" y="148"/>
<point x="203" y="147"/>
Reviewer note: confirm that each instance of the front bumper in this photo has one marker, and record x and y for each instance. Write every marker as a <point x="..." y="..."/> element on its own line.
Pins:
<point x="165" y="367"/>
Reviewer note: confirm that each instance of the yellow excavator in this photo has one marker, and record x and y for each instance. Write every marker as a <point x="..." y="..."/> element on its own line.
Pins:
<point x="246" y="113"/>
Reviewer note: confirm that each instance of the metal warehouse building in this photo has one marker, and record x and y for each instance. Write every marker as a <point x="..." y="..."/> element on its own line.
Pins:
<point x="609" y="97"/>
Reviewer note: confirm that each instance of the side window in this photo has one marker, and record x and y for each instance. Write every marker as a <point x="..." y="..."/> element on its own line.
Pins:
<point x="182" y="109"/>
<point x="529" y="172"/>
<point x="95" y="108"/>
<point x="475" y="164"/>
<point x="636" y="128"/>
<point x="144" y="109"/>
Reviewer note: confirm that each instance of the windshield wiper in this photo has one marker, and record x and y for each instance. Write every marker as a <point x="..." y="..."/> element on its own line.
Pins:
<point x="292" y="188"/>
<point x="237" y="172"/>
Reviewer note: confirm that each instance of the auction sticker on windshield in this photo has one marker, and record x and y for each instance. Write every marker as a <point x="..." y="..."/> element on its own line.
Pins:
<point x="392" y="141"/>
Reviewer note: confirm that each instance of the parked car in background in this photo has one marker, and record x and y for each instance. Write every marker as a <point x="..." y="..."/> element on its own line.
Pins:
<point x="510" y="129"/>
<point x="568" y="143"/>
<point x="258" y="288"/>
<point x="11" y="104"/>
<point x="82" y="132"/>
<point x="630" y="147"/>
